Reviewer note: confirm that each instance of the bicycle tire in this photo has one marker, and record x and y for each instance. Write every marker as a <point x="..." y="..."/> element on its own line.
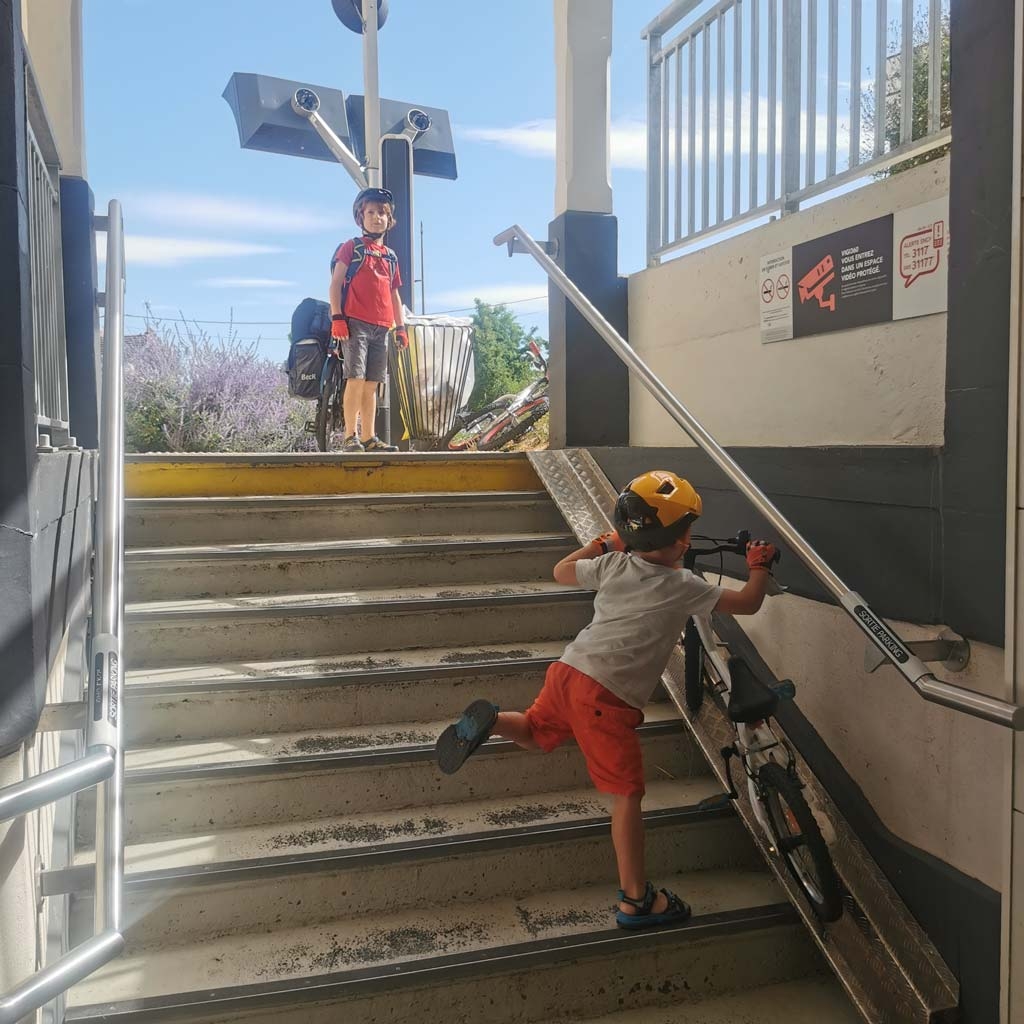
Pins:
<point x="694" y="674"/>
<point x="328" y="412"/>
<point x="515" y="429"/>
<point x="473" y="430"/>
<point x="804" y="849"/>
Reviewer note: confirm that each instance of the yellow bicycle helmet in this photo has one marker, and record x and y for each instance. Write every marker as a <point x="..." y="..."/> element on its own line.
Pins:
<point x="655" y="510"/>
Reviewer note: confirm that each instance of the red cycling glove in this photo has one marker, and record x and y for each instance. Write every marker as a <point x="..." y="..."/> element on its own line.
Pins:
<point x="339" y="328"/>
<point x="610" y="541"/>
<point x="761" y="555"/>
<point x="401" y="337"/>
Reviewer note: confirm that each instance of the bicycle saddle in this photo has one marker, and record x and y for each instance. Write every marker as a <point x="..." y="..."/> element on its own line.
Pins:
<point x="750" y="700"/>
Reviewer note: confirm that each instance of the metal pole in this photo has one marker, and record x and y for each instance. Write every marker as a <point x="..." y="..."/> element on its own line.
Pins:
<point x="371" y="90"/>
<point x="40" y="790"/>
<point x="910" y="666"/>
<point x="791" y="103"/>
<point x="106" y="665"/>
<point x="654" y="237"/>
<point x="423" y="274"/>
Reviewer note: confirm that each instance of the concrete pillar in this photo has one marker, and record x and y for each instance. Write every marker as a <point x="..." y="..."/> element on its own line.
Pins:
<point x="589" y="385"/>
<point x="53" y="32"/>
<point x="583" y="50"/>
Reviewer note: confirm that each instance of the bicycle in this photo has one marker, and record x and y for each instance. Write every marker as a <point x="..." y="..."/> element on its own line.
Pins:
<point x="507" y="418"/>
<point x="329" y="419"/>
<point x="768" y="761"/>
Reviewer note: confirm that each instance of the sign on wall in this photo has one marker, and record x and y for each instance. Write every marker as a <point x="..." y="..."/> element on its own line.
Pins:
<point x="776" y="288"/>
<point x="890" y="268"/>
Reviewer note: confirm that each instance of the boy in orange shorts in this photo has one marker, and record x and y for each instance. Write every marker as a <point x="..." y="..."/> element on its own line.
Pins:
<point x="597" y="691"/>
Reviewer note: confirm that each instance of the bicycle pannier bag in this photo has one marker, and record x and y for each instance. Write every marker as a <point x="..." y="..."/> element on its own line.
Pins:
<point x="305" y="364"/>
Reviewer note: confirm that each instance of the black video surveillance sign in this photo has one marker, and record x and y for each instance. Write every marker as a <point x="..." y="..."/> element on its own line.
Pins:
<point x="844" y="280"/>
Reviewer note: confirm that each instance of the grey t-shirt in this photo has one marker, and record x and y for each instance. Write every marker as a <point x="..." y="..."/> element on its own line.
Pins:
<point x="639" y="612"/>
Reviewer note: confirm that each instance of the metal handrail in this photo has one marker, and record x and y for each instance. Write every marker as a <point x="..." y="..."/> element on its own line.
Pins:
<point x="103" y="763"/>
<point x="873" y="626"/>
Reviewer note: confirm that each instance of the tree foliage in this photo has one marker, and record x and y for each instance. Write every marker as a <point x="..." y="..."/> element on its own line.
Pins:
<point x="500" y="348"/>
<point x="891" y="105"/>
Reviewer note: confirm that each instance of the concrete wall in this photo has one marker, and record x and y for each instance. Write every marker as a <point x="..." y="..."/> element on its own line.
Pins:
<point x="695" y="320"/>
<point x="53" y="35"/>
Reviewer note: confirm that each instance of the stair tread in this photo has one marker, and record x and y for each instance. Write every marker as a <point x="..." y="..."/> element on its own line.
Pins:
<point x="814" y="1000"/>
<point x="388" y="828"/>
<point x="355" y="598"/>
<point x="368" y="738"/>
<point x="392" y="939"/>
<point x="314" y="668"/>
<point x="327" y="547"/>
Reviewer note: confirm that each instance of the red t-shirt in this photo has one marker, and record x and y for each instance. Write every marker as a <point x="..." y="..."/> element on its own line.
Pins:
<point x="369" y="294"/>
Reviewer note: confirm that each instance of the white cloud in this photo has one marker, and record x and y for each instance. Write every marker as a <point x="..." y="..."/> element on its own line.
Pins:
<point x="247" y="282"/>
<point x="223" y="213"/>
<point x="157" y="251"/>
<point x="526" y="296"/>
<point x="537" y="138"/>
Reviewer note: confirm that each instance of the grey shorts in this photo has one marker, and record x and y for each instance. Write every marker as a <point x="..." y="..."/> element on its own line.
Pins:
<point x="365" y="351"/>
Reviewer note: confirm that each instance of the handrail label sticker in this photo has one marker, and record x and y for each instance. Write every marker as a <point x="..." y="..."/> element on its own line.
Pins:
<point x="884" y="638"/>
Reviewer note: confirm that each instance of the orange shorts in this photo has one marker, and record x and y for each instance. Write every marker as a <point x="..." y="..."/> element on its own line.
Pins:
<point x="572" y="704"/>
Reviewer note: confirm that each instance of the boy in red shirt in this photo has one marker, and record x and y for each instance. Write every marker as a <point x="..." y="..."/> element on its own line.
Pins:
<point x="364" y="308"/>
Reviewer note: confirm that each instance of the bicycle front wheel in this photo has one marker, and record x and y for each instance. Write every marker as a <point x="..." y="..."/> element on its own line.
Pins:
<point x="799" y="842"/>
<point x="515" y="429"/>
<point x="328" y="408"/>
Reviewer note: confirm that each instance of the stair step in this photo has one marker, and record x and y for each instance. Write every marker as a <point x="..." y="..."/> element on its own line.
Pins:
<point x="186" y="904"/>
<point x="814" y="1000"/>
<point x="378" y="956"/>
<point x="377" y="830"/>
<point x="168" y="573"/>
<point x="283" y="695"/>
<point x="261" y="627"/>
<point x="153" y="522"/>
<point x="182" y="796"/>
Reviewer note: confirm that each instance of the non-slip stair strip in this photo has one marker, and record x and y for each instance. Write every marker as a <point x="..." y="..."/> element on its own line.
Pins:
<point x="204" y="611"/>
<point x="81" y="879"/>
<point x="326" y="549"/>
<point x="224" y="475"/>
<point x="382" y="757"/>
<point x="479" y="962"/>
<point x="500" y="666"/>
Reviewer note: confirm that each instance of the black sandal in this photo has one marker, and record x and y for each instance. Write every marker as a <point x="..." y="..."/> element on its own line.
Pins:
<point x="460" y="740"/>
<point x="676" y="912"/>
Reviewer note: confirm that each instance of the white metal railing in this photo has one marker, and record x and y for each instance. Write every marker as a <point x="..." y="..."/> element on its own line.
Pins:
<point x="47" y="290"/>
<point x="880" y="633"/>
<point x="102" y="765"/>
<point x="757" y="105"/>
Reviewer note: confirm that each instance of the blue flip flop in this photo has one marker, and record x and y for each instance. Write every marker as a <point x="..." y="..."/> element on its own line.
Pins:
<point x="460" y="740"/>
<point x="676" y="912"/>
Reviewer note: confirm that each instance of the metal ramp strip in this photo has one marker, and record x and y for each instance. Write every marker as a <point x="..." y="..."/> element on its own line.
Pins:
<point x="886" y="962"/>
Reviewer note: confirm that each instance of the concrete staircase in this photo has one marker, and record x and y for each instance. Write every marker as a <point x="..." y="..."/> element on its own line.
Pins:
<point x="293" y="853"/>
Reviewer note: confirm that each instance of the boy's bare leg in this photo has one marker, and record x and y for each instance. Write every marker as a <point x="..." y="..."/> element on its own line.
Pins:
<point x="515" y="726"/>
<point x="368" y="410"/>
<point x="350" y="404"/>
<point x="628" y="839"/>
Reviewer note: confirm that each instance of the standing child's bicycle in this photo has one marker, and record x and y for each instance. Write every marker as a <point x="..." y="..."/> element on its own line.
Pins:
<point x="768" y="761"/>
<point x="329" y="419"/>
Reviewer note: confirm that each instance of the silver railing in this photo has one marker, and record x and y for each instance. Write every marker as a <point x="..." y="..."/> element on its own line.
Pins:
<point x="880" y="634"/>
<point x="103" y="762"/>
<point x="47" y="291"/>
<point x="755" y="106"/>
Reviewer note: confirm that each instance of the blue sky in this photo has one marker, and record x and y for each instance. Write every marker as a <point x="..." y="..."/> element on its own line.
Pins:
<point x="213" y="229"/>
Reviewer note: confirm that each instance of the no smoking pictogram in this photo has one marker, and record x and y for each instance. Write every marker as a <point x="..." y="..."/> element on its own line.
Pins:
<point x="768" y="290"/>
<point x="782" y="286"/>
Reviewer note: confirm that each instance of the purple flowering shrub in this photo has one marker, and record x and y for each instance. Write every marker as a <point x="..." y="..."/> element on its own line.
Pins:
<point x="193" y="394"/>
